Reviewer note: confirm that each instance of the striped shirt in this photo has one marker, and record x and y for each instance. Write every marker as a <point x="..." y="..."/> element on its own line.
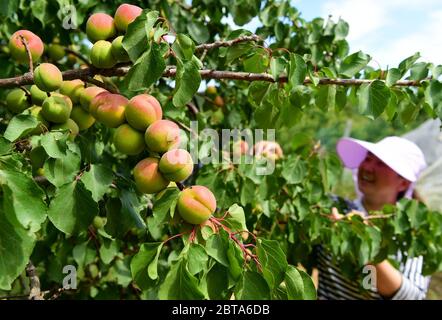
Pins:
<point x="335" y="286"/>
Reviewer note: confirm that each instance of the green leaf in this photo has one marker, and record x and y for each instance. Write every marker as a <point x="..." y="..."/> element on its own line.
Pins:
<point x="309" y="287"/>
<point x="188" y="80"/>
<point x="236" y="218"/>
<point x="297" y="70"/>
<point x="16" y="246"/>
<point x="183" y="47"/>
<point x="108" y="250"/>
<point x="39" y="11"/>
<point x="419" y="71"/>
<point x="236" y="260"/>
<point x="180" y="284"/>
<point x="196" y="258"/>
<point x="55" y="144"/>
<point x="273" y="261"/>
<point x="147" y="69"/>
<point x="252" y="286"/>
<point x="62" y="170"/>
<point x="217" y="246"/>
<point x="373" y="98"/>
<point x="354" y="63"/>
<point x="198" y="31"/>
<point x="5" y="146"/>
<point x="136" y="40"/>
<point x="83" y="254"/>
<point x="98" y="180"/>
<point x="123" y="214"/>
<point x="141" y="261"/>
<point x="23" y="199"/>
<point x="152" y="269"/>
<point x="73" y="209"/>
<point x="161" y="208"/>
<point x="433" y="94"/>
<point x="326" y="97"/>
<point x="258" y="62"/>
<point x="341" y="30"/>
<point x="393" y="75"/>
<point x="293" y="170"/>
<point x="294" y="284"/>
<point x="19" y="126"/>
<point x="406" y="64"/>
<point x="277" y="67"/>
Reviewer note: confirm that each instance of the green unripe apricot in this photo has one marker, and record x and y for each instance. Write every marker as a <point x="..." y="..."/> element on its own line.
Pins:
<point x="37" y="95"/>
<point x="82" y="118"/>
<point x="101" y="55"/>
<point x="176" y="165"/>
<point x="68" y="125"/>
<point x="99" y="222"/>
<point x="56" y="52"/>
<point x="17" y="101"/>
<point x="56" y="109"/>
<point x="128" y="140"/>
<point x="118" y="51"/>
<point x="72" y="89"/>
<point x="47" y="77"/>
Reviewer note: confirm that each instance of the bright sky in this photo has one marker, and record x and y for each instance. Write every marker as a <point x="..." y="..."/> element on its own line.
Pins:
<point x="388" y="30"/>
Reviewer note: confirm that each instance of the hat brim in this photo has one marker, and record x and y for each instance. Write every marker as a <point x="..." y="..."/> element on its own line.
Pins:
<point x="353" y="151"/>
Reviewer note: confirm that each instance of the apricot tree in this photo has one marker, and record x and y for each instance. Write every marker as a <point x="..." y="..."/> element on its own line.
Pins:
<point x="107" y="163"/>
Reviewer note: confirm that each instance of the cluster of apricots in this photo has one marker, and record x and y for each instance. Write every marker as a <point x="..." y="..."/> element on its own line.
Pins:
<point x="137" y="123"/>
<point x="107" y="33"/>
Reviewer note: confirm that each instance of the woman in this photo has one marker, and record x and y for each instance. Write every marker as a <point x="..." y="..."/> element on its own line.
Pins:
<point x="384" y="172"/>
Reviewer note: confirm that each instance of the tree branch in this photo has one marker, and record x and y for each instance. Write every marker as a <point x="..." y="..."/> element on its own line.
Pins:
<point x="228" y="43"/>
<point x="34" y="283"/>
<point x="123" y="69"/>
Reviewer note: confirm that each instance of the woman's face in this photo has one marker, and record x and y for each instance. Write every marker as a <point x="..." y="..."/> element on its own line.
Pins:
<point x="377" y="180"/>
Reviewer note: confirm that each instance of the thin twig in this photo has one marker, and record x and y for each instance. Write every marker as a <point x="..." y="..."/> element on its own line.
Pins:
<point x="78" y="55"/>
<point x="228" y="43"/>
<point x="31" y="64"/>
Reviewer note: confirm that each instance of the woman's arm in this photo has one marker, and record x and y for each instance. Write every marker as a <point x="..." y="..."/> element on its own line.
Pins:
<point x="392" y="284"/>
<point x="388" y="279"/>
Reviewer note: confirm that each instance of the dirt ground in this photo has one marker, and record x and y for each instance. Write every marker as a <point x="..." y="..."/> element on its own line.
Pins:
<point x="435" y="291"/>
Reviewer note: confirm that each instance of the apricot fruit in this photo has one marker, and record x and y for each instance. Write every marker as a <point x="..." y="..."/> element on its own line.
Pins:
<point x="18" y="50"/>
<point x="126" y="14"/>
<point x="143" y="110"/>
<point x="100" y="26"/>
<point x="176" y="165"/>
<point x="196" y="204"/>
<point x="48" y="77"/>
<point x="148" y="178"/>
<point x="56" y="109"/>
<point x="101" y="55"/>
<point x="162" y="136"/>
<point x="129" y="141"/>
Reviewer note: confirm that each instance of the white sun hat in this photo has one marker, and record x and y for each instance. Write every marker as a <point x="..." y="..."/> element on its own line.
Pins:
<point x="401" y="155"/>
